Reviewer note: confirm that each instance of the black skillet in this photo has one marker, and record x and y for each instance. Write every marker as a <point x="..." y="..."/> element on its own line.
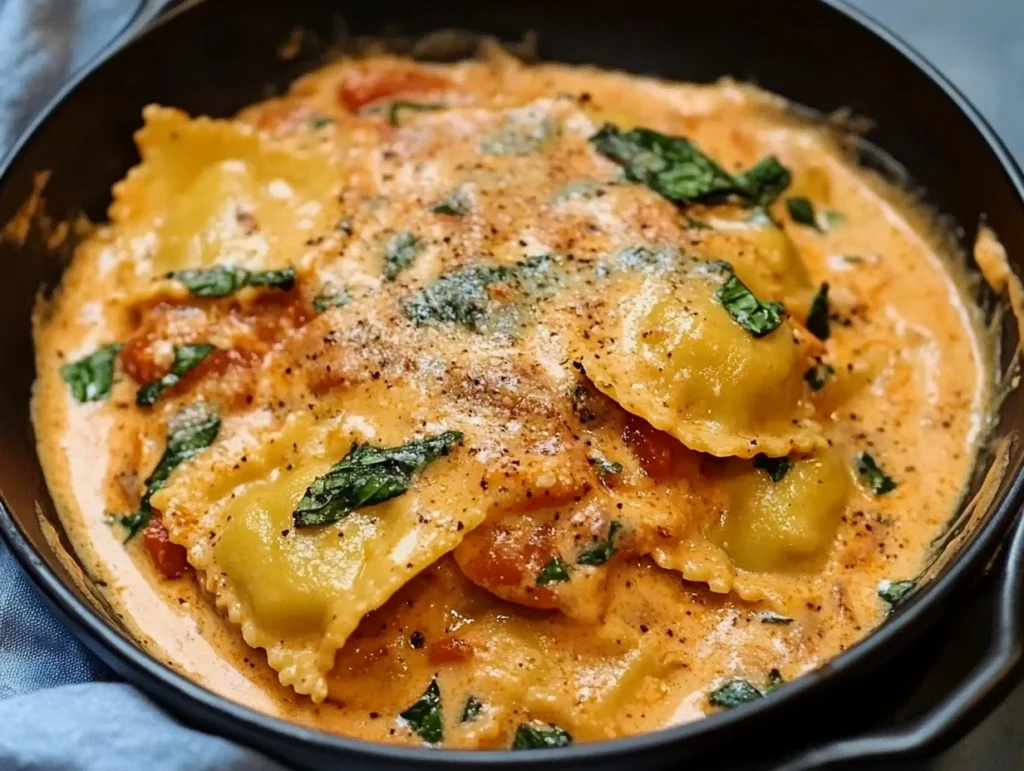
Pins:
<point x="215" y="57"/>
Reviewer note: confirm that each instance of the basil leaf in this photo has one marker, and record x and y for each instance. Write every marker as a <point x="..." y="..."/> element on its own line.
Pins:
<point x="763" y="182"/>
<point x="91" y="377"/>
<point x="224" y="280"/>
<point x="677" y="169"/>
<point x="872" y="476"/>
<point x="605" y="467"/>
<point x="424" y="717"/>
<point x="391" y="110"/>
<point x="320" y="122"/>
<point x="801" y="210"/>
<point x="733" y="694"/>
<point x="777" y="468"/>
<point x="601" y="552"/>
<point x="758" y="317"/>
<point x="818" y="375"/>
<point x="555" y="572"/>
<point x="186" y="358"/>
<point x="329" y="297"/>
<point x="454" y="203"/>
<point x="399" y="252"/>
<point x="368" y="475"/>
<point x="531" y="736"/>
<point x="472" y="710"/>
<point x="189" y="432"/>
<point x="894" y="592"/>
<point x="817" y="316"/>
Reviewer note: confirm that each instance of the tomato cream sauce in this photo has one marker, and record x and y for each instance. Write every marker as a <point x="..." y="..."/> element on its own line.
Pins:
<point x="619" y="357"/>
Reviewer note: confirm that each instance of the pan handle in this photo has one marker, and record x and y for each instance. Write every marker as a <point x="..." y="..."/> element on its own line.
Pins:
<point x="982" y="689"/>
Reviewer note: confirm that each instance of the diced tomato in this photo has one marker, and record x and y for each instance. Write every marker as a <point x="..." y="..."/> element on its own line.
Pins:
<point x="359" y="88"/>
<point x="169" y="558"/>
<point x="450" y="650"/>
<point x="657" y="451"/>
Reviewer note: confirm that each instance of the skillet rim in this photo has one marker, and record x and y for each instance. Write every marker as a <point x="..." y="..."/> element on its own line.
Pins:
<point x="256" y="729"/>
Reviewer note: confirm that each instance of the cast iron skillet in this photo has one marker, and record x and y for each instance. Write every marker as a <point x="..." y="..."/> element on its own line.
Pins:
<point x="215" y="57"/>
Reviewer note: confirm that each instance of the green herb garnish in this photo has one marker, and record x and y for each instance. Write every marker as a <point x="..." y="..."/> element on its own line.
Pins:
<point x="454" y="203"/>
<point x="801" y="210"/>
<point x="399" y="252"/>
<point x="391" y="110"/>
<point x="777" y="468"/>
<point x="601" y="552"/>
<point x="872" y="476"/>
<point x="894" y="592"/>
<point x="91" y="377"/>
<point x="329" y="297"/>
<point x="770" y="617"/>
<point x="817" y="316"/>
<point x="758" y="317"/>
<point x="533" y="736"/>
<point x="224" y="280"/>
<point x="733" y="694"/>
<point x="368" y="475"/>
<point x="555" y="572"/>
<point x="472" y="710"/>
<point x="186" y="358"/>
<point x="818" y="375"/>
<point x="424" y="717"/>
<point x="320" y="122"/>
<point x="605" y="467"/>
<point x="189" y="432"/>
<point x="678" y="170"/>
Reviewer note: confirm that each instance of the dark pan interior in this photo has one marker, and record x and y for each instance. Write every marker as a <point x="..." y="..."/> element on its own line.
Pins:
<point x="219" y="56"/>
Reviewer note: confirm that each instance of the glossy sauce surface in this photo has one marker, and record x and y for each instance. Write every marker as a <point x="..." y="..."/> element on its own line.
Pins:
<point x="618" y="422"/>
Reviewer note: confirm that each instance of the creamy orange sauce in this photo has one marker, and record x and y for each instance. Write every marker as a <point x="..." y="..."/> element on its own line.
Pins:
<point x="553" y="376"/>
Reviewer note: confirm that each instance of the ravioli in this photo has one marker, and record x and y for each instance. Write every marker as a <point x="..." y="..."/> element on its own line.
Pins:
<point x="670" y="352"/>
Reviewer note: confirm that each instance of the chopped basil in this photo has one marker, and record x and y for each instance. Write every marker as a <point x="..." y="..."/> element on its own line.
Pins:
<point x="555" y="572"/>
<point x="601" y="552"/>
<point x="462" y="297"/>
<point x="454" y="203"/>
<point x="329" y="297"/>
<point x="368" y="475"/>
<point x="399" y="252"/>
<point x="777" y="468"/>
<point x="533" y="736"/>
<point x="424" y="717"/>
<point x="521" y="133"/>
<point x="818" y="375"/>
<point x="801" y="210"/>
<point x="91" y="377"/>
<point x="605" y="467"/>
<point x="817" y="316"/>
<point x="391" y="110"/>
<point x="697" y="224"/>
<point x="833" y="219"/>
<point x="472" y="710"/>
<point x="678" y="170"/>
<point x="186" y="358"/>
<point x="770" y="617"/>
<point x="733" y="694"/>
<point x="853" y="259"/>
<point x="320" y="122"/>
<point x="764" y="181"/>
<point x="872" y="476"/>
<point x="894" y="592"/>
<point x="758" y="317"/>
<point x="190" y="432"/>
<point x="224" y="280"/>
<point x="739" y="691"/>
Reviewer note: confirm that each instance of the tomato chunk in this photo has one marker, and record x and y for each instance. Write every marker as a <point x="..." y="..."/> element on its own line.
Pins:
<point x="359" y="88"/>
<point x="658" y="452"/>
<point x="169" y="558"/>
